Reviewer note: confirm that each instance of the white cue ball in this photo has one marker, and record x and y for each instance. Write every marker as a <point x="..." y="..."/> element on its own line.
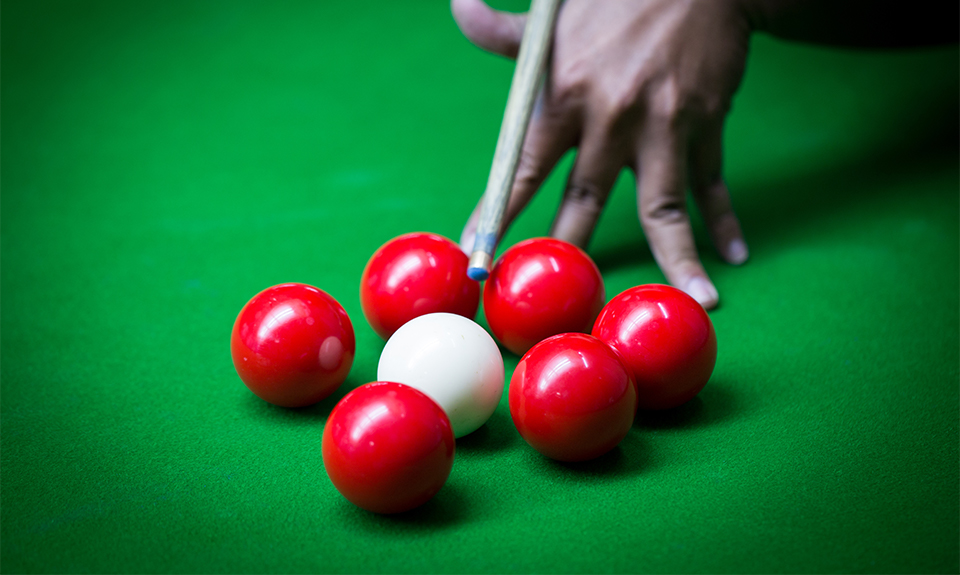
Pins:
<point x="452" y="360"/>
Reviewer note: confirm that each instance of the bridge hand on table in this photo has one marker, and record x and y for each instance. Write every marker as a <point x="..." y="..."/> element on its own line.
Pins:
<point x="639" y="85"/>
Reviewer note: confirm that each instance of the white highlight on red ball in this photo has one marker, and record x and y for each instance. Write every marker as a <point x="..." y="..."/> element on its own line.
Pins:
<point x="331" y="352"/>
<point x="451" y="359"/>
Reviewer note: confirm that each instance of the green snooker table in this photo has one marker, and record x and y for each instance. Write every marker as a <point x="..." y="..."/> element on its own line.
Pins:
<point x="162" y="162"/>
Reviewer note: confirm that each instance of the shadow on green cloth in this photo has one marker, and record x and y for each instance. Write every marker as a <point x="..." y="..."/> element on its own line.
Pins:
<point x="775" y="210"/>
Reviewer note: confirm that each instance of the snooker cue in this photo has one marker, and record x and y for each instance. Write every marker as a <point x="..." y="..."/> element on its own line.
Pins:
<point x="531" y="63"/>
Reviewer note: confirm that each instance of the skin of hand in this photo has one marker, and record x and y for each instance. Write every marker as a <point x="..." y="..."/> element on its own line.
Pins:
<point x="637" y="84"/>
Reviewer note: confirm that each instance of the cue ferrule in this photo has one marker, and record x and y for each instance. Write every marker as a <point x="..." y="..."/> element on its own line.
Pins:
<point x="479" y="266"/>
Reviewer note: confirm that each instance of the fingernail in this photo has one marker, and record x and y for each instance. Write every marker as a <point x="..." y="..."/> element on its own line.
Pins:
<point x="737" y="251"/>
<point x="703" y="291"/>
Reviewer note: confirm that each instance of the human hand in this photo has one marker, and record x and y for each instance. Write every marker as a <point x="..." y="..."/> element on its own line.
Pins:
<point x="641" y="84"/>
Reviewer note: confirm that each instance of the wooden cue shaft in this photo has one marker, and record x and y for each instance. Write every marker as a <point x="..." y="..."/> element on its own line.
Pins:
<point x="531" y="62"/>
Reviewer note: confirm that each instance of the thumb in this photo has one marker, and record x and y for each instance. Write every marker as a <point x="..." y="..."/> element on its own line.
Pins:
<point x="489" y="29"/>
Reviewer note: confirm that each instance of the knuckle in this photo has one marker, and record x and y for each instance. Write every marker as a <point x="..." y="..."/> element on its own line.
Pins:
<point x="618" y="106"/>
<point x="676" y="106"/>
<point x="621" y="102"/>
<point x="713" y="106"/>
<point x="585" y="194"/>
<point x="570" y="80"/>
<point x="567" y="91"/>
<point x="530" y="170"/>
<point x="662" y="211"/>
<point x="669" y="111"/>
<point x="671" y="104"/>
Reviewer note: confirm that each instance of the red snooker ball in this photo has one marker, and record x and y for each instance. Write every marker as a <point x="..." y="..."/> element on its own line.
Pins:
<point x="292" y="345"/>
<point x="539" y="288"/>
<point x="571" y="397"/>
<point x="387" y="447"/>
<point x="413" y="275"/>
<point x="666" y="339"/>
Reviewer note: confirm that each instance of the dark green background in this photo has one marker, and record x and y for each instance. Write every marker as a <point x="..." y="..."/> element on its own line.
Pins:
<point x="162" y="163"/>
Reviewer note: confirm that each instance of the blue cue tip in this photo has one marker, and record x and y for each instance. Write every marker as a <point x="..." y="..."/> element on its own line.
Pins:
<point x="478" y="274"/>
<point x="478" y="268"/>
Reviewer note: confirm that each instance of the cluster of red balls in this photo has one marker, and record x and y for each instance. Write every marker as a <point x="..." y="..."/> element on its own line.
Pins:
<point x="586" y="368"/>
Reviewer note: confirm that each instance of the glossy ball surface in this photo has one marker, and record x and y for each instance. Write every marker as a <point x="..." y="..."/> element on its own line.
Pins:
<point x="539" y="288"/>
<point x="571" y="397"/>
<point x="413" y="275"/>
<point x="666" y="339"/>
<point x="451" y="359"/>
<point x="292" y="345"/>
<point x="387" y="447"/>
